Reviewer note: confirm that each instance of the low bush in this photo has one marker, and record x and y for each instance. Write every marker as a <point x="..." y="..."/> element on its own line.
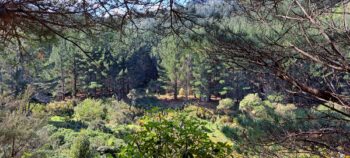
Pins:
<point x="61" y="108"/>
<point x="199" y="112"/>
<point x="38" y="110"/>
<point x="89" y="110"/>
<point x="99" y="125"/>
<point x="81" y="148"/>
<point x="119" y="112"/>
<point x="226" y="104"/>
<point x="249" y="102"/>
<point x="98" y="138"/>
<point x="225" y="119"/>
<point x="122" y="131"/>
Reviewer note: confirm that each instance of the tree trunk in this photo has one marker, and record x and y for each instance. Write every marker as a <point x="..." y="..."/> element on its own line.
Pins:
<point x="208" y="96"/>
<point x="175" y="89"/>
<point x="1" y="89"/>
<point x="188" y="75"/>
<point x="75" y="77"/>
<point x="187" y="89"/>
<point x="13" y="150"/>
<point x="62" y="80"/>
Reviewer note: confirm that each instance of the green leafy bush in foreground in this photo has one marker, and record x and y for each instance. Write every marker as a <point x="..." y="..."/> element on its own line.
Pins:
<point x="173" y="136"/>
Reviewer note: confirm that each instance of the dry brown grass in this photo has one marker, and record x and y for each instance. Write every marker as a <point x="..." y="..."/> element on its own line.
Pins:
<point x="168" y="99"/>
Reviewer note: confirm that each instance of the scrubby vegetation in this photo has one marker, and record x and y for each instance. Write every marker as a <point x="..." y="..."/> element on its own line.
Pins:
<point x="111" y="128"/>
<point x="226" y="103"/>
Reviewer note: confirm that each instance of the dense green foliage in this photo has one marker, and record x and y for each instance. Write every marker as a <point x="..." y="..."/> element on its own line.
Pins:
<point x="112" y="128"/>
<point x="81" y="147"/>
<point x="89" y="110"/>
<point x="225" y="104"/>
<point x="173" y="135"/>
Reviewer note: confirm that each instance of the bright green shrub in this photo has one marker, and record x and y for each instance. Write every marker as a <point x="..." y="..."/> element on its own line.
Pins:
<point x="267" y="109"/>
<point x="225" y="104"/>
<point x="249" y="101"/>
<point x="81" y="147"/>
<point x="253" y="105"/>
<point x="38" y="110"/>
<point x="58" y="119"/>
<point x="89" y="110"/>
<point x="61" y="108"/>
<point x="177" y="136"/>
